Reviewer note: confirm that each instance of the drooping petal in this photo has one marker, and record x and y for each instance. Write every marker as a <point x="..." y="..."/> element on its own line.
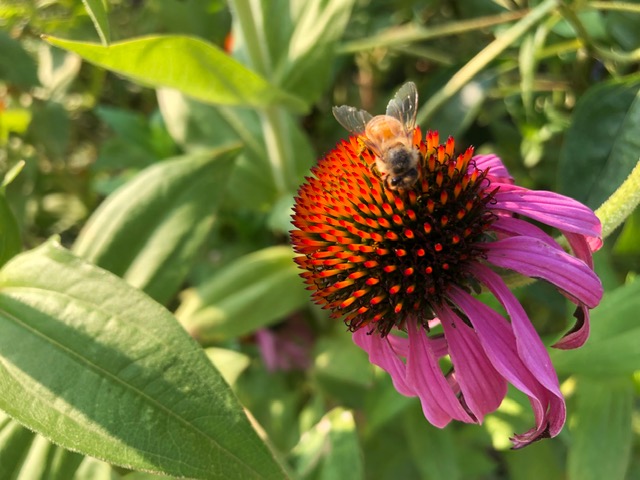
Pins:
<point x="439" y="403"/>
<point x="581" y="247"/>
<point x="495" y="166"/>
<point x="499" y="343"/>
<point x="381" y="354"/>
<point x="578" y="335"/>
<point x="535" y="258"/>
<point x="553" y="209"/>
<point x="482" y="386"/>
<point x="530" y="348"/>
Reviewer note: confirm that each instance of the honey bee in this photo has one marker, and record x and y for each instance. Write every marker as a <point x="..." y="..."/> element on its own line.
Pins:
<point x="388" y="136"/>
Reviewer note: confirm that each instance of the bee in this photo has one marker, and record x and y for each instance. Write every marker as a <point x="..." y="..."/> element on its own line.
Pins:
<point x="388" y="136"/>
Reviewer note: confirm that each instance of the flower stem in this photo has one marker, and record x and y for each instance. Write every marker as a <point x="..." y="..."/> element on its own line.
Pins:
<point x="621" y="203"/>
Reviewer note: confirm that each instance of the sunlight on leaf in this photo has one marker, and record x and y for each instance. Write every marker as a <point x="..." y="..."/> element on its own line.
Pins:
<point x="129" y="386"/>
<point x="196" y="68"/>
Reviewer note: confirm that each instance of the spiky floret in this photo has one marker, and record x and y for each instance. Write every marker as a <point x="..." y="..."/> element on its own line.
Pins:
<point x="375" y="256"/>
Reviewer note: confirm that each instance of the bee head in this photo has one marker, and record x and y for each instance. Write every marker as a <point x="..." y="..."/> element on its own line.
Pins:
<point x="402" y="182"/>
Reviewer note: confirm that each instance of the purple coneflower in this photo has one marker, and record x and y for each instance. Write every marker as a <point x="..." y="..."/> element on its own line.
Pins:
<point x="401" y="268"/>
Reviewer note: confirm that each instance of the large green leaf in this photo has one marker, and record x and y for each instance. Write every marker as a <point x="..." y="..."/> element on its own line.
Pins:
<point x="196" y="68"/>
<point x="602" y="430"/>
<point x="150" y="230"/>
<point x="98" y="367"/>
<point x="614" y="345"/>
<point x="256" y="290"/>
<point x="330" y="450"/>
<point x="602" y="145"/>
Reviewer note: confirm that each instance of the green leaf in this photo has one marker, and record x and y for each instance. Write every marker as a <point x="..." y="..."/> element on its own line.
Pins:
<point x="15" y="442"/>
<point x="539" y="460"/>
<point x="10" y="241"/>
<point x="195" y="126"/>
<point x="150" y="230"/>
<point x="337" y="358"/>
<point x="441" y="462"/>
<point x="97" y="10"/>
<point x="229" y="363"/>
<point x="602" y="145"/>
<point x="330" y="450"/>
<point x="16" y="65"/>
<point x="293" y="52"/>
<point x="98" y="367"/>
<point x="317" y="26"/>
<point x="614" y="344"/>
<point x="602" y="429"/>
<point x="196" y="68"/>
<point x="256" y="290"/>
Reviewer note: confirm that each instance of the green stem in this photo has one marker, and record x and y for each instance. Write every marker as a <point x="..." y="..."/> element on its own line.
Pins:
<point x="412" y="33"/>
<point x="273" y="128"/>
<point x="483" y="58"/>
<point x="255" y="42"/>
<point x="615" y="6"/>
<point x="621" y="203"/>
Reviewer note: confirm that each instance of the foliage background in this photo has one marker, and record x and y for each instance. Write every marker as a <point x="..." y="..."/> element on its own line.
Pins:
<point x="167" y="150"/>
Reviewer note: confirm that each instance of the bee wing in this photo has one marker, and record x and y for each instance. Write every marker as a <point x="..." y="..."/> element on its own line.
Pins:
<point x="404" y="106"/>
<point x="351" y="118"/>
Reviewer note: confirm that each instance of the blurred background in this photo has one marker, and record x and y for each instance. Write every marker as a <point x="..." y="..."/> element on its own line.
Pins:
<point x="551" y="87"/>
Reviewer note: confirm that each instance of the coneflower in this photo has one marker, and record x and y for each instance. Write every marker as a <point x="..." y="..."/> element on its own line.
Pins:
<point x="401" y="268"/>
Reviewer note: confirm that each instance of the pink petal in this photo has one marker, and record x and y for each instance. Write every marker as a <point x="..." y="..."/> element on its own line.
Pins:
<point x="550" y="208"/>
<point x="439" y="402"/>
<point x="401" y="345"/>
<point x="521" y="228"/>
<point x="578" y="335"/>
<point x="495" y="166"/>
<point x="382" y="355"/>
<point x="535" y="258"/>
<point x="482" y="386"/>
<point x="530" y="348"/>
<point x="499" y="343"/>
<point x="581" y="247"/>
